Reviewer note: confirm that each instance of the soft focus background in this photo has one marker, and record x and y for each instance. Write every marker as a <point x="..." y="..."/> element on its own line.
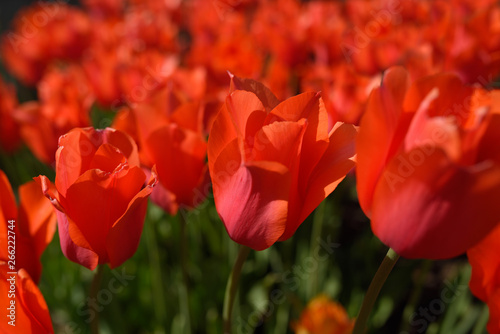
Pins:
<point x="151" y="296"/>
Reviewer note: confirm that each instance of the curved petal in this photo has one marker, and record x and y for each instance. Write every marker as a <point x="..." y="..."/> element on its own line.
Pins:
<point x="179" y="155"/>
<point x="8" y="211"/>
<point x="241" y="104"/>
<point x="263" y="93"/>
<point x="337" y="161"/>
<point x="427" y="207"/>
<point x="34" y="304"/>
<point x="96" y="200"/>
<point x="123" y="238"/>
<point x="221" y="134"/>
<point x="82" y="255"/>
<point x="37" y="216"/>
<point x="253" y="213"/>
<point x="485" y="263"/>
<point x="377" y="130"/>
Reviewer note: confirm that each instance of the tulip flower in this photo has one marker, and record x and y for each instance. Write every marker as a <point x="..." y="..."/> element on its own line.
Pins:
<point x="168" y="130"/>
<point x="99" y="195"/>
<point x="485" y="278"/>
<point x="428" y="168"/>
<point x="64" y="103"/>
<point x="323" y="315"/>
<point x="272" y="163"/>
<point x="25" y="308"/>
<point x="41" y="34"/>
<point x="33" y="226"/>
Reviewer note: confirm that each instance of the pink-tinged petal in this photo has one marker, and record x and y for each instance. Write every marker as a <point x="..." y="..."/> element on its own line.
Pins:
<point x="165" y="199"/>
<point x="179" y="155"/>
<point x="226" y="165"/>
<point x="221" y="134"/>
<point x="427" y="207"/>
<point x="378" y="128"/>
<point x="123" y="238"/>
<point x="485" y="263"/>
<point x="337" y="161"/>
<point x="263" y="93"/>
<point x="254" y="213"/>
<point x="81" y="255"/>
<point x="96" y="200"/>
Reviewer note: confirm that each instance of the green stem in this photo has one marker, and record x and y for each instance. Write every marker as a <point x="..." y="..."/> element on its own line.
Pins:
<point x="184" y="305"/>
<point x="232" y="287"/>
<point x="94" y="289"/>
<point x="374" y="289"/>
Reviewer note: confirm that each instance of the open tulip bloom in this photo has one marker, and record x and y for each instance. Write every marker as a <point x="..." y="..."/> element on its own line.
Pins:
<point x="273" y="163"/>
<point x="99" y="195"/>
<point x="428" y="164"/>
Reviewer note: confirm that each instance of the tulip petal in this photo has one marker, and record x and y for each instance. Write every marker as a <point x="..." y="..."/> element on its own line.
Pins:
<point x="82" y="255"/>
<point x="221" y="134"/>
<point x="337" y="161"/>
<point x="377" y="131"/>
<point x="107" y="158"/>
<point x="279" y="142"/>
<point x="485" y="263"/>
<point x="263" y="93"/>
<point x="37" y="214"/>
<point x="96" y="200"/>
<point x="427" y="207"/>
<point x="253" y="213"/>
<point x="34" y="304"/>
<point x="128" y="228"/>
<point x="179" y="155"/>
<point x="241" y="104"/>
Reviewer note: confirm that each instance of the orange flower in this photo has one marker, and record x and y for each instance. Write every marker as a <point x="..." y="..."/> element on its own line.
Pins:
<point x="33" y="227"/>
<point x="64" y="103"/>
<point x="428" y="165"/>
<point x="99" y="195"/>
<point x="168" y="130"/>
<point x="485" y="280"/>
<point x="22" y="299"/>
<point x="323" y="316"/>
<point x="42" y="33"/>
<point x="272" y="163"/>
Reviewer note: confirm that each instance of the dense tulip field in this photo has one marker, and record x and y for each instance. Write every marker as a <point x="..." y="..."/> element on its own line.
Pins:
<point x="250" y="166"/>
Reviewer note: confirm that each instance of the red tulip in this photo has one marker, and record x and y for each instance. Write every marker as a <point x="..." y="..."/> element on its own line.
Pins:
<point x="485" y="280"/>
<point x="33" y="226"/>
<point x="22" y="299"/>
<point x="43" y="33"/>
<point x="272" y="163"/>
<point x="168" y="131"/>
<point x="99" y="195"/>
<point x="64" y="103"/>
<point x="428" y="167"/>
